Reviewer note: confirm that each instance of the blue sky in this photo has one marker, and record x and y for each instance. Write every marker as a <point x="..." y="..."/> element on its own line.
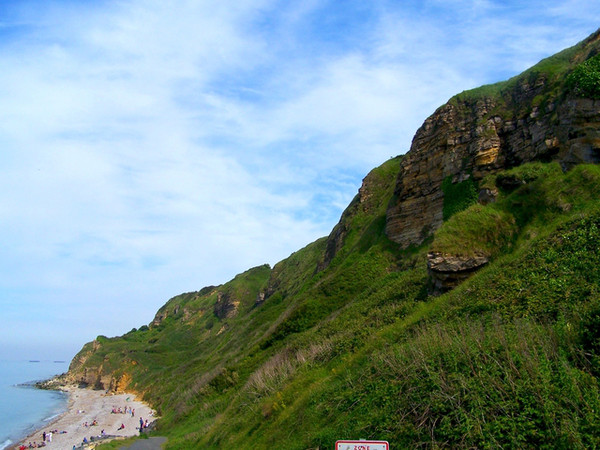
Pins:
<point x="150" y="148"/>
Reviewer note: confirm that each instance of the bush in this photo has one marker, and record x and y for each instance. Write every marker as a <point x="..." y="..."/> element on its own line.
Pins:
<point x="585" y="79"/>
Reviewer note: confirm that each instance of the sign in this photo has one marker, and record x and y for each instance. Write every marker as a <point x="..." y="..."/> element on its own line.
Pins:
<point x="362" y="445"/>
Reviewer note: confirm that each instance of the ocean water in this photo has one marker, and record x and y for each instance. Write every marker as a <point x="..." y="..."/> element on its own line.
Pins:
<point x="22" y="407"/>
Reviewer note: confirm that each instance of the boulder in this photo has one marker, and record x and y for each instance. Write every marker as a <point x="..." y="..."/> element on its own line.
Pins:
<point x="448" y="271"/>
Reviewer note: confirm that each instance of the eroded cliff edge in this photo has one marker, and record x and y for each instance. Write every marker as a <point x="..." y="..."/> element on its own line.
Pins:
<point x="532" y="117"/>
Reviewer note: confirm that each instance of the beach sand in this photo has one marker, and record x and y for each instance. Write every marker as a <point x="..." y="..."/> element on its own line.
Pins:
<point x="86" y="405"/>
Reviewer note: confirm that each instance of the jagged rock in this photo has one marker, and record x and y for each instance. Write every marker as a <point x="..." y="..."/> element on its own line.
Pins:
<point x="335" y="242"/>
<point x="487" y="196"/>
<point x="478" y="136"/>
<point x="448" y="271"/>
<point x="225" y="306"/>
<point x="159" y="317"/>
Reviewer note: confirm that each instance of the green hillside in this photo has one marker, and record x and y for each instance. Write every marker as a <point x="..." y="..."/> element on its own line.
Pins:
<point x="359" y="350"/>
<point x="343" y="339"/>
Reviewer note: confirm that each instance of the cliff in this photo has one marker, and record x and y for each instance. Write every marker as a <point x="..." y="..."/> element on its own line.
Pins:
<point x="532" y="117"/>
<point x="495" y="210"/>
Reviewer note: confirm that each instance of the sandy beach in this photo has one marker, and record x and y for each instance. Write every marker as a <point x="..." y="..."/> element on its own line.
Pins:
<point x="87" y="407"/>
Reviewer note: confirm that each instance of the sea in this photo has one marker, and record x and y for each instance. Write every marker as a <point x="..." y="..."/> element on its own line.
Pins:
<point x="23" y="408"/>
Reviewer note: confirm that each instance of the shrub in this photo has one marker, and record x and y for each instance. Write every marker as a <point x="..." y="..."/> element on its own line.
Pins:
<point x="585" y="79"/>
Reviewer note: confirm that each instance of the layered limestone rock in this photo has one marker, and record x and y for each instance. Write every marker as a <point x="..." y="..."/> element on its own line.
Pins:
<point x="94" y="376"/>
<point x="473" y="135"/>
<point x="448" y="271"/>
<point x="461" y="141"/>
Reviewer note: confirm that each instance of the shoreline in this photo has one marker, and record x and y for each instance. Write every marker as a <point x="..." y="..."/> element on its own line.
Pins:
<point x="88" y="413"/>
<point x="14" y="438"/>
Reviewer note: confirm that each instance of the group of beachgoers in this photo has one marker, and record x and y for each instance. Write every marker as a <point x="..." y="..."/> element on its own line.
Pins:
<point x="85" y="441"/>
<point x="46" y="439"/>
<point x="47" y="436"/>
<point x="126" y="410"/>
<point x="103" y="435"/>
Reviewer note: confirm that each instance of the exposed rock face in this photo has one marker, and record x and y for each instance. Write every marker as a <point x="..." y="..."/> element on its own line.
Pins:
<point x="260" y="298"/>
<point x="94" y="377"/>
<point x="448" y="271"/>
<point x="461" y="140"/>
<point x="226" y="306"/>
<point x="476" y="136"/>
<point x="487" y="196"/>
<point x="335" y="241"/>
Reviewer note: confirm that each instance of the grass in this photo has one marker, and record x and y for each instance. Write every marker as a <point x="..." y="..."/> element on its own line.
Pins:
<point x="510" y="358"/>
<point x="458" y="196"/>
<point x="552" y="78"/>
<point x="480" y="230"/>
<point x="342" y="341"/>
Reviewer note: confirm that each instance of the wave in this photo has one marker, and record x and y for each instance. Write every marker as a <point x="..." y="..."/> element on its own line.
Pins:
<point x="54" y="416"/>
<point x="5" y="444"/>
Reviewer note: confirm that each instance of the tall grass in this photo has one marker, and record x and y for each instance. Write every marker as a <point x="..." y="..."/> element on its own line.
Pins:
<point x="477" y="230"/>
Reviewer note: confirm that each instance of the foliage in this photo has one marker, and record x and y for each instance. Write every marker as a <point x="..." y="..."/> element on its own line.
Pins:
<point x="481" y="382"/>
<point x="353" y="347"/>
<point x="585" y="78"/>
<point x="458" y="196"/>
<point x="477" y="230"/>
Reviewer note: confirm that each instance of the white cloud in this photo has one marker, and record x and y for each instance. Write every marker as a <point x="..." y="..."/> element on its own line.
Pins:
<point x="149" y="149"/>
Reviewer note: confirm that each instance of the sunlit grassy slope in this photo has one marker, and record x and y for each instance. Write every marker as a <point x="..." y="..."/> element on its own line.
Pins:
<point x="359" y="350"/>
<point x="353" y="346"/>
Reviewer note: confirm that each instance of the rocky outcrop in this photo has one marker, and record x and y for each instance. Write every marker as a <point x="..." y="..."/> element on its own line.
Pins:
<point x="226" y="306"/>
<point x="530" y="119"/>
<point x="95" y="378"/>
<point x="90" y="375"/>
<point x="448" y="271"/>
<point x="453" y="144"/>
<point x="487" y="196"/>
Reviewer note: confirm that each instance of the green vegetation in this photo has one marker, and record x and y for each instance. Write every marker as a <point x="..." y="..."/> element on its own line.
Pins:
<point x="479" y="230"/>
<point x="550" y="79"/>
<point x="585" y="79"/>
<point x="341" y="340"/>
<point x="510" y="358"/>
<point x="458" y="196"/>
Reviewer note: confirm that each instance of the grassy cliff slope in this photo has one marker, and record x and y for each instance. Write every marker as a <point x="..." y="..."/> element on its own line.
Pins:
<point x="342" y="340"/>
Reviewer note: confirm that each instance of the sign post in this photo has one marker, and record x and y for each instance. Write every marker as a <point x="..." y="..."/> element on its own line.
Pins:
<point x="362" y="445"/>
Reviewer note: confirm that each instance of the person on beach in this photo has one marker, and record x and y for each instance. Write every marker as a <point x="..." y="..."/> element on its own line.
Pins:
<point x="44" y="436"/>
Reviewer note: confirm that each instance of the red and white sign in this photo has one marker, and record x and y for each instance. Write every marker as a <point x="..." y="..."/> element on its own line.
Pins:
<point x="362" y="445"/>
